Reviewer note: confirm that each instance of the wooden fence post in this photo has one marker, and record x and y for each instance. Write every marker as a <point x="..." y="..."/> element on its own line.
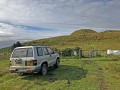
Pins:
<point x="80" y="53"/>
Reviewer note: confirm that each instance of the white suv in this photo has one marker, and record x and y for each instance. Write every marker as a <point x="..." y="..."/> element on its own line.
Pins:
<point x="33" y="59"/>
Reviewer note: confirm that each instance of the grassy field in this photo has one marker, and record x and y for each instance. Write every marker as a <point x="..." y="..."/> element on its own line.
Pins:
<point x="101" y="73"/>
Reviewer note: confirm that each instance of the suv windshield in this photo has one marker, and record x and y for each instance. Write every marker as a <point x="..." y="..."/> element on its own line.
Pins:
<point x="22" y="52"/>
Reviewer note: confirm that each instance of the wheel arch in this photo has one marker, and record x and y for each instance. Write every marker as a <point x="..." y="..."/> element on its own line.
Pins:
<point x="44" y="63"/>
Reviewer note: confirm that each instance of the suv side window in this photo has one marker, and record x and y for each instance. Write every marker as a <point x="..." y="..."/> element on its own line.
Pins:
<point x="45" y="51"/>
<point x="50" y="50"/>
<point x="30" y="52"/>
<point x="39" y="51"/>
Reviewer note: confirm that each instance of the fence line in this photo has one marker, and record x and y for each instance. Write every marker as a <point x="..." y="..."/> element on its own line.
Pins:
<point x="82" y="53"/>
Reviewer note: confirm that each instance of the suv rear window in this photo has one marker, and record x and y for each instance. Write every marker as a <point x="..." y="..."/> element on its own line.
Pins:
<point x="23" y="52"/>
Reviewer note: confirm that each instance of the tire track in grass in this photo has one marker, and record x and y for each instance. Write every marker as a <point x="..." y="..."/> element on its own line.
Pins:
<point x="101" y="78"/>
<point x="100" y="74"/>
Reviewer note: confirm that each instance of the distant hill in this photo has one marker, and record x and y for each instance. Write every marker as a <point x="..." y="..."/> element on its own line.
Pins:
<point x="110" y="31"/>
<point x="84" y="38"/>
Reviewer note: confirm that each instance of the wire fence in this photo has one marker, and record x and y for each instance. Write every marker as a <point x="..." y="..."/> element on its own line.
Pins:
<point x="82" y="53"/>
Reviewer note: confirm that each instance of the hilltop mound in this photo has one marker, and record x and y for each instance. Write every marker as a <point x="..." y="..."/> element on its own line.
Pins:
<point x="83" y="34"/>
<point x="83" y="31"/>
<point x="109" y="34"/>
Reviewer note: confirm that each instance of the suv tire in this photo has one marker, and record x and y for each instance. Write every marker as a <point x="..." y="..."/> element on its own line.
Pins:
<point x="44" y="69"/>
<point x="57" y="63"/>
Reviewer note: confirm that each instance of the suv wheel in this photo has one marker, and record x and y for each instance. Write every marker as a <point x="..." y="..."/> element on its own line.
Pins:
<point x="57" y="63"/>
<point x="44" y="69"/>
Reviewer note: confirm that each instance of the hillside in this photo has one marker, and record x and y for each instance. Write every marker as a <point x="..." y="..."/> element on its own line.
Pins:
<point x="85" y="38"/>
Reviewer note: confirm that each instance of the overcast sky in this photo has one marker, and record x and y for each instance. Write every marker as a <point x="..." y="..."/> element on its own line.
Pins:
<point x="34" y="19"/>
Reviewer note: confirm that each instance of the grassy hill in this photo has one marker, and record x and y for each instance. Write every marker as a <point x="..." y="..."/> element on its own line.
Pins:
<point x="84" y="38"/>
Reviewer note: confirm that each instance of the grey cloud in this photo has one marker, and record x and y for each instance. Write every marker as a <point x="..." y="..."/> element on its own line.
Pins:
<point x="89" y="13"/>
<point x="64" y="11"/>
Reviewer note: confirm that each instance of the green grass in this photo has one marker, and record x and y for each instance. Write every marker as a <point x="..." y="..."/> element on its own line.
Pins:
<point x="73" y="74"/>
